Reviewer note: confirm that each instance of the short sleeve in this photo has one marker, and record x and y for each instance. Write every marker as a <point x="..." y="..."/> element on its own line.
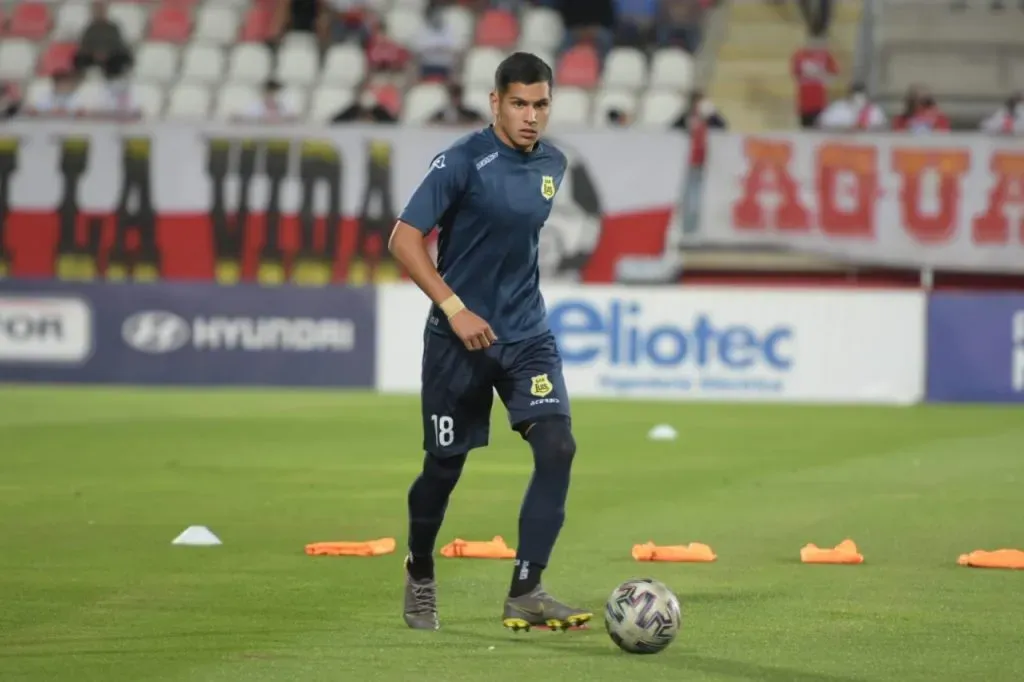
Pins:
<point x="440" y="188"/>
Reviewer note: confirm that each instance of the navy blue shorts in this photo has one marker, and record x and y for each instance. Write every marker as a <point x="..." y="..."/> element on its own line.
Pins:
<point x="459" y="384"/>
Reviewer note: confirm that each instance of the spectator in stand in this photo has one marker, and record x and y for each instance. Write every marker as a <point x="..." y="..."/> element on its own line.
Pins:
<point x="588" y="22"/>
<point x="635" y="22"/>
<point x="619" y="119"/>
<point x="700" y="117"/>
<point x="347" y="20"/>
<point x="679" y="24"/>
<point x="384" y="55"/>
<point x="921" y="114"/>
<point x="435" y="48"/>
<point x="272" y="106"/>
<point x="855" y="113"/>
<point x="60" y="100"/>
<point x="812" y="66"/>
<point x="817" y="15"/>
<point x="103" y="45"/>
<point x="457" y="113"/>
<point x="300" y="16"/>
<point x="366" y="109"/>
<point x="1008" y="119"/>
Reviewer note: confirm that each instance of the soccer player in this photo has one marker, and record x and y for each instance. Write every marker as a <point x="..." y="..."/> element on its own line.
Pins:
<point x="489" y="195"/>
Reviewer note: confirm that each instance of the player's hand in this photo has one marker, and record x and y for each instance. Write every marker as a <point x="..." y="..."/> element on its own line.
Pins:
<point x="474" y="332"/>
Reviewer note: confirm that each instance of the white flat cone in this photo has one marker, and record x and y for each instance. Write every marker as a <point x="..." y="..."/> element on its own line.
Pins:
<point x="197" y="536"/>
<point x="662" y="432"/>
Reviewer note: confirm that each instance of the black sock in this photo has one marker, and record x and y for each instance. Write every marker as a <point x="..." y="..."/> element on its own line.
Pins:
<point x="543" y="510"/>
<point x="428" y="501"/>
<point x="525" y="577"/>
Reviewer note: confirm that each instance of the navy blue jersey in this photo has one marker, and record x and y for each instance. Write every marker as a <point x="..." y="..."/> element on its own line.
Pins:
<point x="489" y="202"/>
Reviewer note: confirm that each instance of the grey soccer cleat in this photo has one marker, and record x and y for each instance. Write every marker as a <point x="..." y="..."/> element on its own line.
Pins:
<point x="537" y="608"/>
<point x="420" y="610"/>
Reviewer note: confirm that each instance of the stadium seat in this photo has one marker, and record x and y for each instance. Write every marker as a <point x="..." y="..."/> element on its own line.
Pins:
<point x="71" y="20"/>
<point x="17" y="58"/>
<point x="573" y="108"/>
<point x="328" y="102"/>
<point x="249" y="63"/>
<point x="422" y="100"/>
<point x="418" y="6"/>
<point x="298" y="97"/>
<point x="234" y="98"/>
<point x="150" y="98"/>
<point x="625" y="68"/>
<point x="660" y="108"/>
<point x="404" y="25"/>
<point x="297" y="64"/>
<point x="29" y="20"/>
<point x="479" y="99"/>
<point x="188" y="101"/>
<point x="497" y="28"/>
<point x="156" y="62"/>
<point x="480" y="65"/>
<point x="130" y="18"/>
<point x="461" y="23"/>
<point x="258" y="21"/>
<point x="38" y="87"/>
<point x="541" y="29"/>
<point x="389" y="97"/>
<point x="579" y="66"/>
<point x="58" y="57"/>
<point x="607" y="99"/>
<point x="216" y="24"/>
<point x="170" y="23"/>
<point x="344" y="65"/>
<point x="203" y="64"/>
<point x="671" y="68"/>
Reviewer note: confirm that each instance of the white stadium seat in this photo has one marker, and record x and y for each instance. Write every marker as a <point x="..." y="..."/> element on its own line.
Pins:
<point x="203" y="64"/>
<point x="625" y="68"/>
<point x="70" y="22"/>
<point x="216" y="24"/>
<point x="480" y="65"/>
<point x="541" y="29"/>
<point x="156" y="62"/>
<point x="572" y="108"/>
<point x="329" y="102"/>
<point x="297" y="64"/>
<point x="607" y="99"/>
<point x="461" y="23"/>
<point x="422" y="100"/>
<point x="404" y="24"/>
<point x="17" y="58"/>
<point x="660" y="108"/>
<point x="480" y="100"/>
<point x="189" y="101"/>
<point x="344" y="65"/>
<point x="234" y="98"/>
<point x="150" y="98"/>
<point x="131" y="19"/>
<point x="249" y="63"/>
<point x="671" y="67"/>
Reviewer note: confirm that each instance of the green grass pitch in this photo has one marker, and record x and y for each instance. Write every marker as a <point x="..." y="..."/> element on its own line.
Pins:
<point x="94" y="484"/>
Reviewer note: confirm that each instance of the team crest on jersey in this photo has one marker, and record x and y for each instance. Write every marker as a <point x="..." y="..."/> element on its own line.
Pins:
<point x="547" y="187"/>
<point x="540" y="385"/>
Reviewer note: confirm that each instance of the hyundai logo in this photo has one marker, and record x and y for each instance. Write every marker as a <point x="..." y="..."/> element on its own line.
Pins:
<point x="156" y="331"/>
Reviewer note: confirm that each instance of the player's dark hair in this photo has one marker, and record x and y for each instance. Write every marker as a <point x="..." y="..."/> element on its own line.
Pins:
<point x="521" y="67"/>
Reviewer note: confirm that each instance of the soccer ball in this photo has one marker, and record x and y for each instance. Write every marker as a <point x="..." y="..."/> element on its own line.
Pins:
<point x="642" y="616"/>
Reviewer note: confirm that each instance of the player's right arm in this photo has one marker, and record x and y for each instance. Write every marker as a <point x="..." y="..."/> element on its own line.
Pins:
<point x="442" y="185"/>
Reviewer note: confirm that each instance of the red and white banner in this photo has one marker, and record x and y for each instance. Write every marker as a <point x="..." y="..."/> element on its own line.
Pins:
<point x="951" y="201"/>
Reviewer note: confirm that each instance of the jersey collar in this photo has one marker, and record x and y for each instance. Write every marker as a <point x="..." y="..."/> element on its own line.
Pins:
<point x="512" y="152"/>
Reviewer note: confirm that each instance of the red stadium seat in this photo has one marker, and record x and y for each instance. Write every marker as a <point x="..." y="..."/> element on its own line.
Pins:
<point x="58" y="57"/>
<point x="497" y="28"/>
<point x="256" y="28"/>
<point x="579" y="67"/>
<point x="389" y="97"/>
<point x="30" y="20"/>
<point x="170" y="23"/>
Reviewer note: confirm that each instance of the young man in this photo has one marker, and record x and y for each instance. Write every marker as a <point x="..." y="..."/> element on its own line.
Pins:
<point x="489" y="195"/>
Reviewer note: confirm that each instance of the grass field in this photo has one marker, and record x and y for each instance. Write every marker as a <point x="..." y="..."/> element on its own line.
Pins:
<point x="95" y="483"/>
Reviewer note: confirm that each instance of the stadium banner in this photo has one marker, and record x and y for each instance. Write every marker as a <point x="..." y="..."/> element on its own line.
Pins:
<point x="312" y="205"/>
<point x="186" y="334"/>
<point x="976" y="347"/>
<point x="707" y="343"/>
<point x="945" y="201"/>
